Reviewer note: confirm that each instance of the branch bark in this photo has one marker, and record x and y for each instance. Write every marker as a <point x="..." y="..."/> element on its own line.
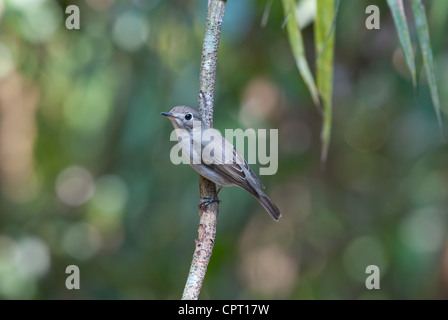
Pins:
<point x="209" y="214"/>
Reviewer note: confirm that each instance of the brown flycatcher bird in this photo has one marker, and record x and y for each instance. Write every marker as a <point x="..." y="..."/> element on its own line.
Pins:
<point x="215" y="159"/>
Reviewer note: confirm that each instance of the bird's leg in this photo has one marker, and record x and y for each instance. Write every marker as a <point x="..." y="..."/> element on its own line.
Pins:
<point x="206" y="201"/>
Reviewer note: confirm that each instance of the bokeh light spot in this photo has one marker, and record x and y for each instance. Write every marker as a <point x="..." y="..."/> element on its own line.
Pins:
<point x="32" y="257"/>
<point x="270" y="270"/>
<point x="81" y="241"/>
<point x="361" y="253"/>
<point x="74" y="186"/>
<point x="40" y="19"/>
<point x="130" y="31"/>
<point x="259" y="102"/>
<point x="111" y="194"/>
<point x="423" y="230"/>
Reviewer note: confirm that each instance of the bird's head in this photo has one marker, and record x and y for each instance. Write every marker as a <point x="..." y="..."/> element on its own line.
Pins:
<point x="183" y="117"/>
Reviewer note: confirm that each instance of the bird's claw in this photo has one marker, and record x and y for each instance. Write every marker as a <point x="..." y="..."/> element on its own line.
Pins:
<point x="206" y="201"/>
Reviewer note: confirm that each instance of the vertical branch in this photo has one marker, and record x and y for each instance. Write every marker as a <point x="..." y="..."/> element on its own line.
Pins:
<point x="209" y="214"/>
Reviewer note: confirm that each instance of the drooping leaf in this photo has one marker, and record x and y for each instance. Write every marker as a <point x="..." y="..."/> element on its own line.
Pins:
<point x="324" y="38"/>
<point x="298" y="49"/>
<point x="425" y="46"/>
<point x="267" y="10"/>
<point x="401" y="24"/>
<point x="330" y="33"/>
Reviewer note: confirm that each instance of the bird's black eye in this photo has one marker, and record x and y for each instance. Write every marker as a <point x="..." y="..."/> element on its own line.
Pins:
<point x="188" y="116"/>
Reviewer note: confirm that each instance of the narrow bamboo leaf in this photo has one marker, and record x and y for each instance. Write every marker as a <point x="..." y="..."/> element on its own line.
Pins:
<point x="425" y="46"/>
<point x="333" y="25"/>
<point x="267" y="10"/>
<point x="298" y="49"/>
<point x="397" y="9"/>
<point x="324" y="67"/>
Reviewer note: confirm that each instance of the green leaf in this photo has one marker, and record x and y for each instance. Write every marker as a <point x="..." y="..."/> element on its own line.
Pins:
<point x="425" y="46"/>
<point x="298" y="49"/>
<point x="324" y="38"/>
<point x="397" y="9"/>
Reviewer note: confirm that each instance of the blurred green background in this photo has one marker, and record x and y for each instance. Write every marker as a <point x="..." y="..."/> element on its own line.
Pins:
<point x="86" y="177"/>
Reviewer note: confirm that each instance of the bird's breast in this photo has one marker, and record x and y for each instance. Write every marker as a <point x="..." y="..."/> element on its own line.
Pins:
<point x="191" y="151"/>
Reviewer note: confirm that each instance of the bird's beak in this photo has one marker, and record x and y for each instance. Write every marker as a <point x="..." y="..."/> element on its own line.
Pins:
<point x="168" y="114"/>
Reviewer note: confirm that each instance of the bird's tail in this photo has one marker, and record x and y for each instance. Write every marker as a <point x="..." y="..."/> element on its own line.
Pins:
<point x="270" y="207"/>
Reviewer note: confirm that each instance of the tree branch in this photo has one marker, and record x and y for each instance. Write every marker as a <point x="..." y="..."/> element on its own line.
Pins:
<point x="209" y="214"/>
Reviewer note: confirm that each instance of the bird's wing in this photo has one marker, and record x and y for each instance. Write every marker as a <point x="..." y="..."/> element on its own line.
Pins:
<point x="243" y="163"/>
<point x="257" y="180"/>
<point x="221" y="154"/>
